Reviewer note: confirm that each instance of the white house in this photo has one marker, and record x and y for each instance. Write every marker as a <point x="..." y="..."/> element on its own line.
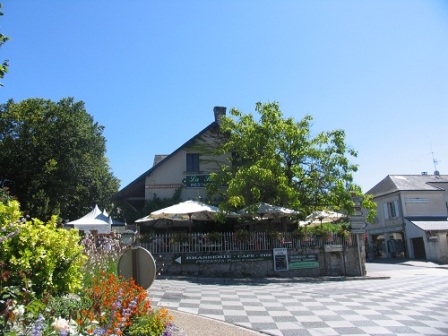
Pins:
<point x="411" y="217"/>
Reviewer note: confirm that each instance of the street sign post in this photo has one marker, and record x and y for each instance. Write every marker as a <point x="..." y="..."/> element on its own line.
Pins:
<point x="358" y="227"/>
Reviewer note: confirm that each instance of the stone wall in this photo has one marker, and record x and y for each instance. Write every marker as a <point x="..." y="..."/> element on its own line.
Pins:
<point x="266" y="263"/>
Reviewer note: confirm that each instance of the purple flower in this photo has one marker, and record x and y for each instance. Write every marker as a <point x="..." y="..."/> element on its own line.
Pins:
<point x="38" y="326"/>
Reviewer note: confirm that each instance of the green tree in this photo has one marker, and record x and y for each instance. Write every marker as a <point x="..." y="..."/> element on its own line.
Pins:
<point x="4" y="65"/>
<point x="52" y="157"/>
<point x="279" y="161"/>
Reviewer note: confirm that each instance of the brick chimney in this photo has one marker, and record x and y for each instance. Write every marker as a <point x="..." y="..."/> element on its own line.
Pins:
<point x="219" y="112"/>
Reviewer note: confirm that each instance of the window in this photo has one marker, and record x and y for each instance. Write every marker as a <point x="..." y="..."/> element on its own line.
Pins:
<point x="193" y="162"/>
<point x="391" y="209"/>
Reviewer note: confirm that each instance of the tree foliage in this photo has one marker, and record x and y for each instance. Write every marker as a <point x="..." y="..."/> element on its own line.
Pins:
<point x="4" y="65"/>
<point x="52" y="158"/>
<point x="279" y="161"/>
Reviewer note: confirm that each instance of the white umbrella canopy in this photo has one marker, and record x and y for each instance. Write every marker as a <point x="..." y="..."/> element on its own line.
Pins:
<point x="190" y="210"/>
<point x="267" y="211"/>
<point x="323" y="216"/>
<point x="150" y="218"/>
<point x="174" y="221"/>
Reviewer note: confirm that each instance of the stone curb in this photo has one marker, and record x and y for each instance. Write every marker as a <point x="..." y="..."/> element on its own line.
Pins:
<point x="217" y="280"/>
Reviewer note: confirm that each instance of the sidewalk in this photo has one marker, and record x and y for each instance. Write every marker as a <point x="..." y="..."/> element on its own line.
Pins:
<point x="195" y="325"/>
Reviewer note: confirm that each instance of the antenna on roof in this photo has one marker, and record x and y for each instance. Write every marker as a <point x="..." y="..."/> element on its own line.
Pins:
<point x="435" y="162"/>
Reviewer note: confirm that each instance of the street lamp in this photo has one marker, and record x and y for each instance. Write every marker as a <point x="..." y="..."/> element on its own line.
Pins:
<point x="358" y="205"/>
<point x="128" y="237"/>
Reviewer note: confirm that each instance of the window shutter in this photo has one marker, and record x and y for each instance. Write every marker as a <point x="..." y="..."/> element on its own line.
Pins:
<point x="386" y="211"/>
<point x="397" y="211"/>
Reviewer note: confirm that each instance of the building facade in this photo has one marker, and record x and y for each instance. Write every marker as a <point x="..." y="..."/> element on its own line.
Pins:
<point x="187" y="169"/>
<point x="411" y="221"/>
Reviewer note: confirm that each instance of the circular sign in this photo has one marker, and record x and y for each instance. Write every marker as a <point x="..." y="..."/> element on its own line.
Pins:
<point x="139" y="264"/>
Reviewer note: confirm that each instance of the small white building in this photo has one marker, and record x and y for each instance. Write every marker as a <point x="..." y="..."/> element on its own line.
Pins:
<point x="428" y="239"/>
<point x="411" y="218"/>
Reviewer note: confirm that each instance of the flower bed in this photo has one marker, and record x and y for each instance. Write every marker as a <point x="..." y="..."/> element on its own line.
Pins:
<point x="88" y="299"/>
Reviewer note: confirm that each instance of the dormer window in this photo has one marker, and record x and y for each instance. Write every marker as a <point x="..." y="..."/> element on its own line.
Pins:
<point x="193" y="162"/>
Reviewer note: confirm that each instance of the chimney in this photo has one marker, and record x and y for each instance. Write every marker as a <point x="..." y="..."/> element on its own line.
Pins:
<point x="219" y="112"/>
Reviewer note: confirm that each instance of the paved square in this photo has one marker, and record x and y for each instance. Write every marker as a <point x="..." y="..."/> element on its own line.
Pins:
<point x="402" y="306"/>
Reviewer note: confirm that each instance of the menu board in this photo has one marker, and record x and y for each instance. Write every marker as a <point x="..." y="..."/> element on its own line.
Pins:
<point x="280" y="259"/>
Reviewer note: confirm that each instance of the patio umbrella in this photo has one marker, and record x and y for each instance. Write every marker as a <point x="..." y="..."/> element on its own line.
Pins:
<point x="189" y="210"/>
<point x="164" y="222"/>
<point x="267" y="211"/>
<point x="323" y="216"/>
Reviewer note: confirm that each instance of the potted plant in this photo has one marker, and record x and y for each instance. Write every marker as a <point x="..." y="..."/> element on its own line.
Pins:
<point x="214" y="236"/>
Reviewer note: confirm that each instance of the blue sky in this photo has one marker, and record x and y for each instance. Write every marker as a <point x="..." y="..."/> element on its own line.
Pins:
<point x="152" y="71"/>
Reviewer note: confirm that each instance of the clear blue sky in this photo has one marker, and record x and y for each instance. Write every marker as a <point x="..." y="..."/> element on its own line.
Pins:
<point x="152" y="71"/>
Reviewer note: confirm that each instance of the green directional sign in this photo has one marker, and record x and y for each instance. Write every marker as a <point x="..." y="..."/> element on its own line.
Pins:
<point x="223" y="257"/>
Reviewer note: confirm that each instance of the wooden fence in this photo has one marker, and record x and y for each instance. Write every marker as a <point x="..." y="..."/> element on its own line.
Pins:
<point x="230" y="241"/>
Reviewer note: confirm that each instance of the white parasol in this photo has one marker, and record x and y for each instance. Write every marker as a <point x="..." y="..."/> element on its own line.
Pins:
<point x="188" y="210"/>
<point x="323" y="216"/>
<point x="267" y="211"/>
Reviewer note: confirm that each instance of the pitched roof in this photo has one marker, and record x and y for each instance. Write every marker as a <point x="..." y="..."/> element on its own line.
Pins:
<point x="139" y="183"/>
<point x="394" y="183"/>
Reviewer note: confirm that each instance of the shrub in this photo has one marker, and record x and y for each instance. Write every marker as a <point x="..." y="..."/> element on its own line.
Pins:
<point x="42" y="256"/>
<point x="300" y="233"/>
<point x="274" y="235"/>
<point x="324" y="230"/>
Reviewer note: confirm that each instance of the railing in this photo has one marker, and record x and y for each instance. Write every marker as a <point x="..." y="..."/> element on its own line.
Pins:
<point x="229" y="241"/>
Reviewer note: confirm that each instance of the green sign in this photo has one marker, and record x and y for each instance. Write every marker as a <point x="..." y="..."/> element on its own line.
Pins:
<point x="196" y="181"/>
<point x="303" y="261"/>
<point x="223" y="257"/>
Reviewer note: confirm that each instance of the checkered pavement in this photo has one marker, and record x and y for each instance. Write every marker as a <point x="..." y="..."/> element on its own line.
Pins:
<point x="402" y="306"/>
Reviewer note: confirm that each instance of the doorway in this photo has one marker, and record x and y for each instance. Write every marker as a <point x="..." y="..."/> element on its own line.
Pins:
<point x="419" y="248"/>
